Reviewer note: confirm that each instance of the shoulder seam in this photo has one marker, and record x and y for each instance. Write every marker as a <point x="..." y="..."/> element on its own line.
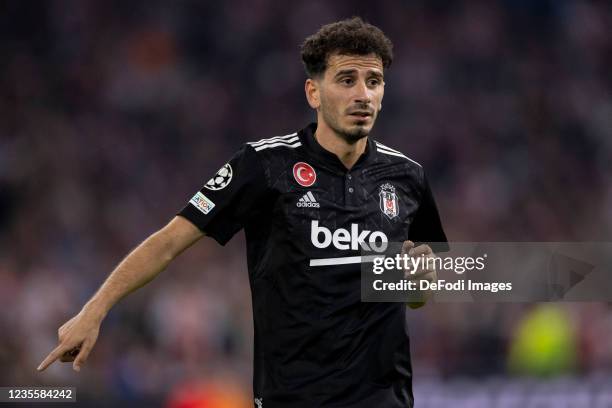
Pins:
<point x="392" y="152"/>
<point x="291" y="141"/>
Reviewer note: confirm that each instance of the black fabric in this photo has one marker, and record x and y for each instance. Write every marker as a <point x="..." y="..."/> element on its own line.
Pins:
<point x="235" y="203"/>
<point x="316" y="343"/>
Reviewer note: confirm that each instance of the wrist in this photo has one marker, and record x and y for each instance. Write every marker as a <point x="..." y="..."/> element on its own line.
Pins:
<point x="96" y="308"/>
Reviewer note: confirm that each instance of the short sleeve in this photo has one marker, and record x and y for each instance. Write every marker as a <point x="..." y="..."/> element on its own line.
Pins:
<point x="426" y="226"/>
<point x="226" y="202"/>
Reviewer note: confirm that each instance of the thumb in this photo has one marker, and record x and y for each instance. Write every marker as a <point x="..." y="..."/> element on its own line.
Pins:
<point x="407" y="246"/>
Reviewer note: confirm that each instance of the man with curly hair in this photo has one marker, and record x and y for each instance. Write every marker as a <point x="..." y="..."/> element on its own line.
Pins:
<point x="310" y="202"/>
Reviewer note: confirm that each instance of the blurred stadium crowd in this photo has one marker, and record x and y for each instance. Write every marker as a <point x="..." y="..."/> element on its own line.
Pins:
<point x="113" y="113"/>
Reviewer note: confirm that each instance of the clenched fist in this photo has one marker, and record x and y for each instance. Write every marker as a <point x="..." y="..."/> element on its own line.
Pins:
<point x="426" y="270"/>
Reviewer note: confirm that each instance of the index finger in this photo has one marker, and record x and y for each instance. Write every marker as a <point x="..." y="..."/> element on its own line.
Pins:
<point x="54" y="355"/>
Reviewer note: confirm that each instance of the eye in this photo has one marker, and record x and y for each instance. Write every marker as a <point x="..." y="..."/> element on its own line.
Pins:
<point x="374" y="82"/>
<point x="346" y="81"/>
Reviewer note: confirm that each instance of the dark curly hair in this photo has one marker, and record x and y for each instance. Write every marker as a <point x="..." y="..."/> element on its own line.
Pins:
<point x="352" y="36"/>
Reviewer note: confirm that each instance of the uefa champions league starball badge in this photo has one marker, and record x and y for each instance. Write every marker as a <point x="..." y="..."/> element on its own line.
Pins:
<point x="388" y="200"/>
<point x="221" y="179"/>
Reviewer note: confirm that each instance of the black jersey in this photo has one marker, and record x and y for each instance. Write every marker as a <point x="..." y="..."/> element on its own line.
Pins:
<point x="306" y="218"/>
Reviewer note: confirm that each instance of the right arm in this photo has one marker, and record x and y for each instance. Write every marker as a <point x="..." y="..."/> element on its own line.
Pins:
<point x="219" y="208"/>
<point x="79" y="334"/>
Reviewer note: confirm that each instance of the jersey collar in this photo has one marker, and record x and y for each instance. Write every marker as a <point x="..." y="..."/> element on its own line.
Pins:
<point x="330" y="159"/>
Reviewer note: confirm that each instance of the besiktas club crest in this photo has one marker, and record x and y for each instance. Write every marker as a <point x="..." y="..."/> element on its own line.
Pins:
<point x="388" y="200"/>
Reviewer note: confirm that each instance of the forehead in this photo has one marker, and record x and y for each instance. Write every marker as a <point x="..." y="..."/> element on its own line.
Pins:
<point x="341" y="62"/>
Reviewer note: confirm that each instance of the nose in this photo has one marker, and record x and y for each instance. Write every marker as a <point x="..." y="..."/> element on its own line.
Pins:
<point x="362" y="93"/>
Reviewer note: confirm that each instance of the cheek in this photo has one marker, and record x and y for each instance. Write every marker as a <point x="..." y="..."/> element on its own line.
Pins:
<point x="378" y="96"/>
<point x="330" y="102"/>
<point x="378" y="101"/>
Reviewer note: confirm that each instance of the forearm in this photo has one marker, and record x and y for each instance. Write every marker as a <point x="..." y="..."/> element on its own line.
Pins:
<point x="138" y="268"/>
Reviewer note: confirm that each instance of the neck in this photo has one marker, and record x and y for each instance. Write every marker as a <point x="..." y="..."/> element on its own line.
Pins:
<point x="347" y="152"/>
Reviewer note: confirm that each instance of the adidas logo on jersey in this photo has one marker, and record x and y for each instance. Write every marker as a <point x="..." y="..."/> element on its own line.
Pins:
<point x="308" y="200"/>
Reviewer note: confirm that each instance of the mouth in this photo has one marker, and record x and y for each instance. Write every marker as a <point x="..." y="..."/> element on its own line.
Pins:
<point x="361" y="114"/>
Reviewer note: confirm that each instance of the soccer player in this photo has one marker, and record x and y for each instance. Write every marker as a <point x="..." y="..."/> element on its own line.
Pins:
<point x="308" y="202"/>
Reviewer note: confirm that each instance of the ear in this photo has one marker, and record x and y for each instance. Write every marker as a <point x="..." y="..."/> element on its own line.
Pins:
<point x="382" y="96"/>
<point x="311" y="87"/>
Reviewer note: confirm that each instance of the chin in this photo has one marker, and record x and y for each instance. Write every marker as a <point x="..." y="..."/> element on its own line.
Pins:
<point x="353" y="132"/>
<point x="358" y="131"/>
<point x="354" y="135"/>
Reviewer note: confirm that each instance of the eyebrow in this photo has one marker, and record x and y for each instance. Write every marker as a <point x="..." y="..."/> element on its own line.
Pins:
<point x="353" y="70"/>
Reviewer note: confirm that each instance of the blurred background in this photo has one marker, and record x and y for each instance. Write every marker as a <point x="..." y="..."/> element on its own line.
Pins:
<point x="113" y="113"/>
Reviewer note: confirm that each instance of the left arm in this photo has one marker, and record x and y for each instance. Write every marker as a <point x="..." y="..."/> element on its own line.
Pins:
<point x="425" y="272"/>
